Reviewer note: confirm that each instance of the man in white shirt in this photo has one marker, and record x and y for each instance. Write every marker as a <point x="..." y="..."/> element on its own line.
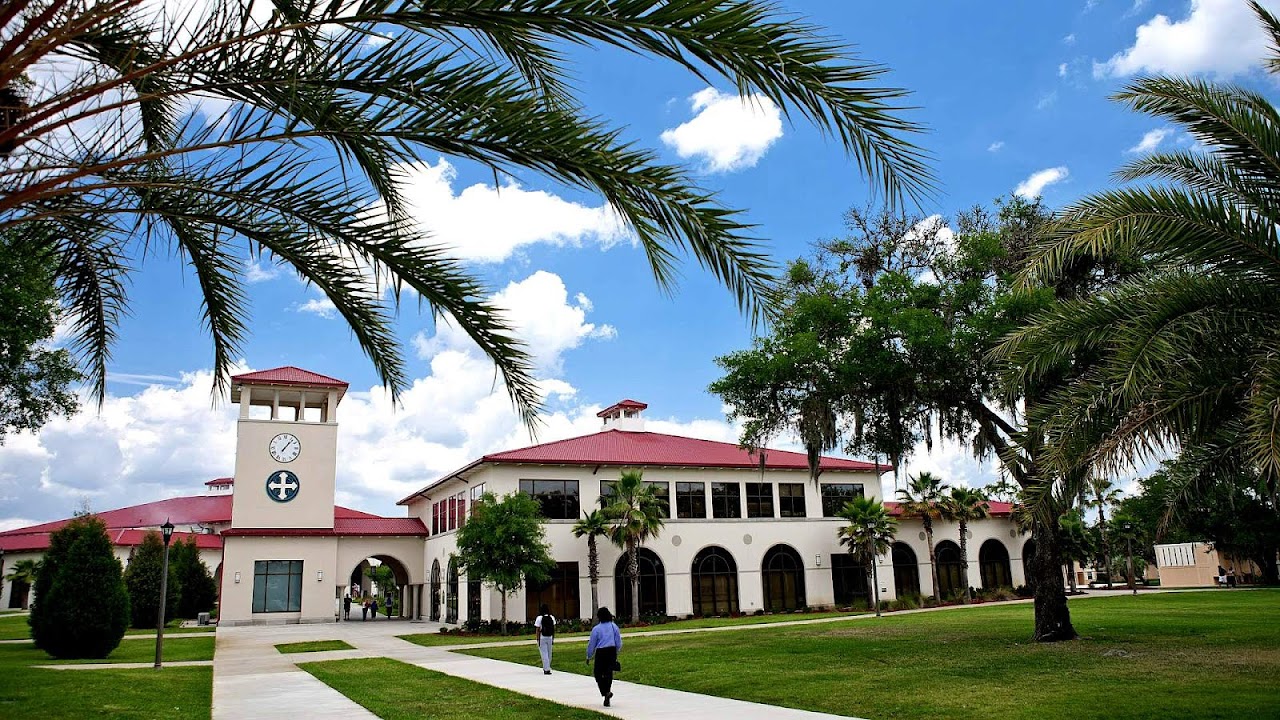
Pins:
<point x="544" y="630"/>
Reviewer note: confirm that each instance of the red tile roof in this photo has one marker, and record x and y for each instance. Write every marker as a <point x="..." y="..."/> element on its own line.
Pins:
<point x="193" y="510"/>
<point x="648" y="449"/>
<point x="219" y="482"/>
<point x="625" y="404"/>
<point x="130" y="538"/>
<point x="287" y="375"/>
<point x="377" y="526"/>
<point x="999" y="509"/>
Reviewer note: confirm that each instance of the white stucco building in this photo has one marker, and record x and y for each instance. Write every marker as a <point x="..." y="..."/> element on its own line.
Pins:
<point x="744" y="532"/>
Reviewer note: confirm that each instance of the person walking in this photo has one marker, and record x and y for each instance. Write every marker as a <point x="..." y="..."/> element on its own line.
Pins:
<point x="374" y="608"/>
<point x="346" y="607"/>
<point x="364" y="610"/>
<point x="605" y="642"/>
<point x="544" y="631"/>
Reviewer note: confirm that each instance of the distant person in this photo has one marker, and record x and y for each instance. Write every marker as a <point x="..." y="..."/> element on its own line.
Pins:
<point x="544" y="632"/>
<point x="605" y="642"/>
<point x="387" y="607"/>
<point x="346" y="607"/>
<point x="364" y="611"/>
<point x="1222" y="576"/>
<point x="374" y="608"/>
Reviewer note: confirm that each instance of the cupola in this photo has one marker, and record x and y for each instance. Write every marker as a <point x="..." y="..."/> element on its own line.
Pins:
<point x="626" y="415"/>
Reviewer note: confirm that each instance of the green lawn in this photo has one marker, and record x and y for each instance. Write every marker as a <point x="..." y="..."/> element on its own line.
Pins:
<point x="434" y="639"/>
<point x="314" y="646"/>
<point x="16" y="628"/>
<point x="393" y="690"/>
<point x="142" y="651"/>
<point x="184" y="693"/>
<point x="172" y="629"/>
<point x="1176" y="655"/>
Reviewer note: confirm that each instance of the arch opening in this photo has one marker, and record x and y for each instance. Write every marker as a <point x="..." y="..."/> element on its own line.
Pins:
<point x="782" y="572"/>
<point x="715" y="582"/>
<point x="653" y="585"/>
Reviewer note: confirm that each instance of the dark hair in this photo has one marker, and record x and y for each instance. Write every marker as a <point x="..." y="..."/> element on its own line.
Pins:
<point x="604" y="615"/>
<point x="544" y="609"/>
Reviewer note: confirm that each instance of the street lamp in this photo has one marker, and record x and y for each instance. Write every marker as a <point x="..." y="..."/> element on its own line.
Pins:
<point x="1128" y="539"/>
<point x="167" y="531"/>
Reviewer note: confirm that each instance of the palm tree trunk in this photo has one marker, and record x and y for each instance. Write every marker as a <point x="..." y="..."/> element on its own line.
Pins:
<point x="933" y="565"/>
<point x="1102" y="528"/>
<point x="593" y="568"/>
<point x="633" y="569"/>
<point x="875" y="582"/>
<point x="964" y="560"/>
<point x="1053" y="619"/>
<point x="1071" y="573"/>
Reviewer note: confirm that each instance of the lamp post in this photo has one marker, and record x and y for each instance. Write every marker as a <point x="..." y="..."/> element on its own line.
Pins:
<point x="1128" y="539"/>
<point x="167" y="531"/>
<point x="875" y="574"/>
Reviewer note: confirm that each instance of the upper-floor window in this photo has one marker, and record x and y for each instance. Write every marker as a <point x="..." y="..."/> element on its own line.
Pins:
<point x="759" y="500"/>
<point x="661" y="490"/>
<point x="791" y="500"/>
<point x="691" y="500"/>
<point x="835" y="495"/>
<point x="726" y="500"/>
<point x="558" y="498"/>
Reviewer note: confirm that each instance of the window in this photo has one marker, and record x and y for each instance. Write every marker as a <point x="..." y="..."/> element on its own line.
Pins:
<point x="715" y="583"/>
<point x="759" y="500"/>
<point x="726" y="500"/>
<point x="462" y="508"/>
<point x="835" y="495"/>
<point x="691" y="500"/>
<point x="661" y="490"/>
<point x="791" y="499"/>
<point x="277" y="586"/>
<point x="558" y="498"/>
<point x="435" y="518"/>
<point x="453" y="513"/>
<point x="477" y="492"/>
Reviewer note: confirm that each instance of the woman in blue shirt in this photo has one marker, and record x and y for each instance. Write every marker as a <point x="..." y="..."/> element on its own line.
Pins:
<point x="605" y="642"/>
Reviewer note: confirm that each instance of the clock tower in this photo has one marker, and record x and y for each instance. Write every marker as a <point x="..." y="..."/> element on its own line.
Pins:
<point x="286" y="449"/>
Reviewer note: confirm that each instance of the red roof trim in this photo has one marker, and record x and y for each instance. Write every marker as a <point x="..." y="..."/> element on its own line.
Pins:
<point x="995" y="508"/>
<point x="287" y="375"/>
<point x="219" y="482"/>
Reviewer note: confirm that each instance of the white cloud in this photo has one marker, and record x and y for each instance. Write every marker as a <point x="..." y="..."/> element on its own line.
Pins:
<point x="1034" y="185"/>
<point x="1047" y="99"/>
<point x="323" y="307"/>
<point x="258" y="271"/>
<point x="1218" y="37"/>
<point x="995" y="146"/>
<point x="728" y="132"/>
<point x="1150" y="140"/>
<point x="487" y="224"/>
<point x="1069" y="39"/>
<point x="539" y="311"/>
<point x="1135" y="8"/>
<point x="1062" y="69"/>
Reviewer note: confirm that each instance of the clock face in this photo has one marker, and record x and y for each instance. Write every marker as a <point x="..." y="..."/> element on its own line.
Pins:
<point x="285" y="447"/>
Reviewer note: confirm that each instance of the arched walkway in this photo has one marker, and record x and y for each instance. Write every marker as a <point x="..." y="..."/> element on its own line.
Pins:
<point x="950" y="571"/>
<point x="451" y="593"/>
<point x="906" y="570"/>
<point x="715" y="582"/>
<point x="993" y="560"/>
<point x="435" y="591"/>
<point x="653" y="585"/>
<point x="782" y="573"/>
<point x="384" y="578"/>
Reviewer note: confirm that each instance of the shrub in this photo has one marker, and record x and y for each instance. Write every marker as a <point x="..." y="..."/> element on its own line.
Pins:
<point x="142" y="578"/>
<point x="198" y="591"/>
<point x="82" y="607"/>
<point x="1023" y="591"/>
<point x="910" y="601"/>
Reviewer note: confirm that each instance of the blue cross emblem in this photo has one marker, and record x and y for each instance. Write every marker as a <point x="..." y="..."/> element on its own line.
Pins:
<point x="283" y="486"/>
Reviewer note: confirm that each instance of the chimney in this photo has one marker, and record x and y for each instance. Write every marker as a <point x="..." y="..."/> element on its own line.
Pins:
<point x="627" y="415"/>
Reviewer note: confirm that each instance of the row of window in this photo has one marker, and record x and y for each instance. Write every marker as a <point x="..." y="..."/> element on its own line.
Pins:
<point x="451" y="513"/>
<point x="560" y="500"/>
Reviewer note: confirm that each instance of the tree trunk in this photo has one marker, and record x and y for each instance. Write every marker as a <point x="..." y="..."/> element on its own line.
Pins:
<point x="504" y="612"/>
<point x="1071" y="574"/>
<point x="633" y="569"/>
<point x="593" y="568"/>
<point x="875" y="584"/>
<point x="933" y="565"/>
<point x="1106" y="546"/>
<point x="1053" y="619"/>
<point x="964" y="558"/>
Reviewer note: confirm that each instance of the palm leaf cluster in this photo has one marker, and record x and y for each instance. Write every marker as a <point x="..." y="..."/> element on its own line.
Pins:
<point x="1186" y="353"/>
<point x="282" y="130"/>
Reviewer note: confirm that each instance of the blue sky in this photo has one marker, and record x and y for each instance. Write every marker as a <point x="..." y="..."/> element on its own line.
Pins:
<point x="1014" y="96"/>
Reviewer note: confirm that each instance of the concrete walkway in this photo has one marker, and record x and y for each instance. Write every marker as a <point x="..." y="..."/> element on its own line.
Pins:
<point x="252" y="679"/>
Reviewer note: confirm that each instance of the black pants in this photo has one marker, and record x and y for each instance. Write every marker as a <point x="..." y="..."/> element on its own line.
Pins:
<point x="606" y="657"/>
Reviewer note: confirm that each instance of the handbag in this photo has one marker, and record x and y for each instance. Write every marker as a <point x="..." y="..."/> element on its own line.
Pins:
<point x="617" y="666"/>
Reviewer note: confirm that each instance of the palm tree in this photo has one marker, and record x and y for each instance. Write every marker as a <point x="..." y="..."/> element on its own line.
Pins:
<point x="285" y="135"/>
<point x="634" y="517"/>
<point x="1073" y="538"/>
<point x="591" y="526"/>
<point x="1104" y="495"/>
<point x="25" y="572"/>
<point x="962" y="506"/>
<point x="869" y="535"/>
<point x="1184" y="349"/>
<point x="921" y="498"/>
